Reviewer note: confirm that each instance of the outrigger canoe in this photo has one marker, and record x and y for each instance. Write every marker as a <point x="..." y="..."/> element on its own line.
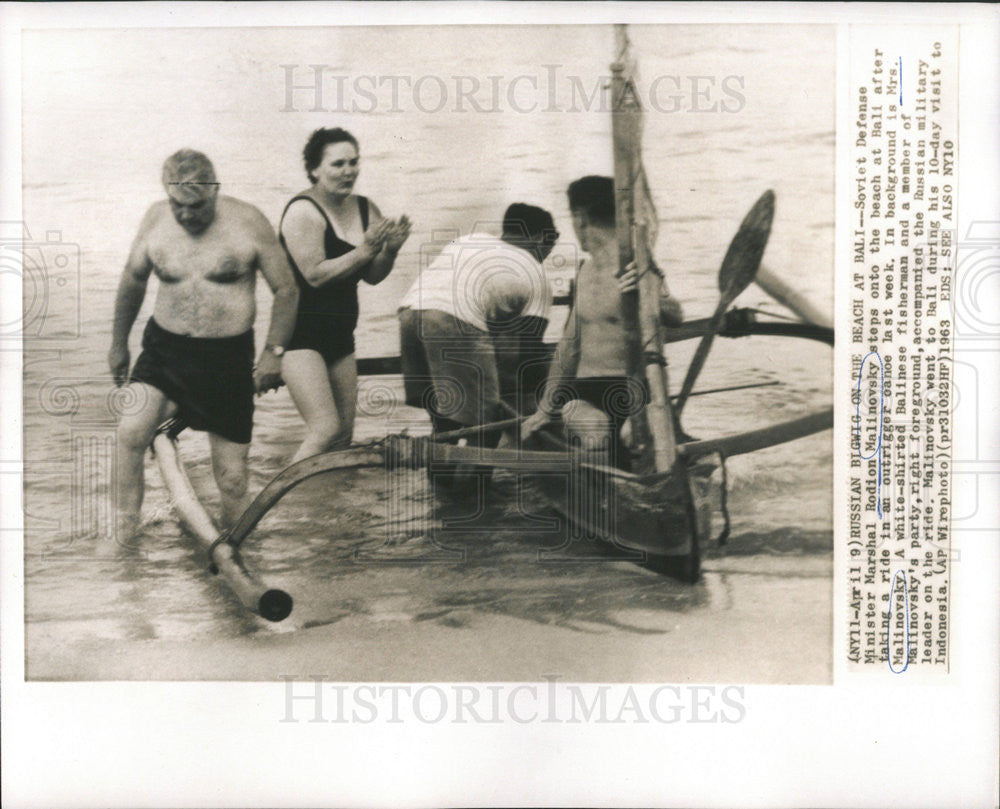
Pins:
<point x="661" y="509"/>
<point x="663" y="514"/>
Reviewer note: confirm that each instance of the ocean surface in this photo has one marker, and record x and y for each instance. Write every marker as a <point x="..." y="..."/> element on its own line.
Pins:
<point x="98" y="122"/>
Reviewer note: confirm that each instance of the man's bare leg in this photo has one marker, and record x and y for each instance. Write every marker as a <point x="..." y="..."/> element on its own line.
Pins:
<point x="135" y="432"/>
<point x="591" y="430"/>
<point x="229" y="465"/>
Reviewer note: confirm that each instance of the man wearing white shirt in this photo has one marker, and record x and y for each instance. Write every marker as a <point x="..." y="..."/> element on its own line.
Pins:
<point x="483" y="299"/>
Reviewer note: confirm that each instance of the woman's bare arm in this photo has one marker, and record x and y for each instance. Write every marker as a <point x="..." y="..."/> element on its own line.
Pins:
<point x="395" y="235"/>
<point x="304" y="228"/>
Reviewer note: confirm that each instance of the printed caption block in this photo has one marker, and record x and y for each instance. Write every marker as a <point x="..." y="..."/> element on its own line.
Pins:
<point x="904" y="96"/>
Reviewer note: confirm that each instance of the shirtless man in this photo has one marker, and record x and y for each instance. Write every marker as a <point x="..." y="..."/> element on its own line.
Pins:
<point x="197" y="357"/>
<point x="587" y="381"/>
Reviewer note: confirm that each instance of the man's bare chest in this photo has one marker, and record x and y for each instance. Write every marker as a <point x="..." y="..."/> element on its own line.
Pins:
<point x="598" y="300"/>
<point x="213" y="257"/>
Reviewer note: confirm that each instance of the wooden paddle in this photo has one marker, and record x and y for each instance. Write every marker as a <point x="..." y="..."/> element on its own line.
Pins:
<point x="469" y="432"/>
<point x="739" y="268"/>
<point x="506" y="424"/>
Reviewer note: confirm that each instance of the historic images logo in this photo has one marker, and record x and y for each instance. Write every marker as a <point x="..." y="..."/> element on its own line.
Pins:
<point x="314" y="700"/>
<point x="318" y="88"/>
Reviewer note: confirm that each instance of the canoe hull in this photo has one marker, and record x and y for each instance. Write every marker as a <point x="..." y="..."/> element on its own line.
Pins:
<point x="667" y="516"/>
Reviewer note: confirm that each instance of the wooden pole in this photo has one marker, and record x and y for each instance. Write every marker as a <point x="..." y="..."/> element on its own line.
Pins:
<point x="653" y="426"/>
<point x="791" y="298"/>
<point x="762" y="438"/>
<point x="403" y="451"/>
<point x="268" y="602"/>
<point x="688" y="330"/>
<point x="659" y="410"/>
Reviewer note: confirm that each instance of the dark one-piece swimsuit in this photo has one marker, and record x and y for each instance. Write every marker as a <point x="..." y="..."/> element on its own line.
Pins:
<point x="327" y="314"/>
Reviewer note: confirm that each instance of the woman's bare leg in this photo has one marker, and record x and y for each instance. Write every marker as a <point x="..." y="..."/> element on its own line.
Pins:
<point x="344" y="384"/>
<point x="308" y="379"/>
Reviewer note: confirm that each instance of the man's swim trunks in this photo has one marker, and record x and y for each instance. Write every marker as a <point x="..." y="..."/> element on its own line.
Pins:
<point x="618" y="397"/>
<point x="449" y="367"/>
<point x="327" y="314"/>
<point x="210" y="379"/>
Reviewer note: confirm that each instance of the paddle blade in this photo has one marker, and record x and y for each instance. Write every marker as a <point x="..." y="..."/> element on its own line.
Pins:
<point x="739" y="268"/>
<point x="742" y="260"/>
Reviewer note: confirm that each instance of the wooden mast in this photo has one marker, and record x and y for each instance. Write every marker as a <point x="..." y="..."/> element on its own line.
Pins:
<point x="653" y="427"/>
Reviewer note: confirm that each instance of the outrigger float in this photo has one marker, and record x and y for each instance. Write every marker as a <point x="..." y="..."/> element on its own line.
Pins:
<point x="660" y="509"/>
<point x="271" y="603"/>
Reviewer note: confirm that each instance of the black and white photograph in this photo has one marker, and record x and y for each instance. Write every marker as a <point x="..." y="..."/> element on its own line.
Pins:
<point x="480" y="404"/>
<point x="487" y="353"/>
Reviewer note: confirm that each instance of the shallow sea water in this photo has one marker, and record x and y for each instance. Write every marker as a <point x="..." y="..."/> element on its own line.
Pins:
<point x="359" y="544"/>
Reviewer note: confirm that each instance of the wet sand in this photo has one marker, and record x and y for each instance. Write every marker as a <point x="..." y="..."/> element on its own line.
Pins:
<point x="739" y="635"/>
<point x="484" y="601"/>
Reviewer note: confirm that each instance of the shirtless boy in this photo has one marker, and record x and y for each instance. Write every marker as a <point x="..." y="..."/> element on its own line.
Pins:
<point x="587" y="382"/>
<point x="197" y="348"/>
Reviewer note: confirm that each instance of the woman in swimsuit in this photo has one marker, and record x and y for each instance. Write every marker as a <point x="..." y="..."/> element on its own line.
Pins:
<point x="333" y="239"/>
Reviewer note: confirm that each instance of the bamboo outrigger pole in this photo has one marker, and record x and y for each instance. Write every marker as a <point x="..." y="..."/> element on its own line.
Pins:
<point x="269" y="602"/>
<point x="791" y="298"/>
<point x="653" y="426"/>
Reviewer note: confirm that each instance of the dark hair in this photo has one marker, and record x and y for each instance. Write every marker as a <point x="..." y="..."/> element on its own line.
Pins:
<point x="595" y="196"/>
<point x="312" y="155"/>
<point x="524" y="221"/>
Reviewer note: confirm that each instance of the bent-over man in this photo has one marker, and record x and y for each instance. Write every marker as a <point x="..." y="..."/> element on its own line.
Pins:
<point x="471" y="326"/>
<point x="197" y="348"/>
<point x="588" y="382"/>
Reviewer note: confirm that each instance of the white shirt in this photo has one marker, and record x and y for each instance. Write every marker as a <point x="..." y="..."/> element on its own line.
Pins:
<point x="478" y="278"/>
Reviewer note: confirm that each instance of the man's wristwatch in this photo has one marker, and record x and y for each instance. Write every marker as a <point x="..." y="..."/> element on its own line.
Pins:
<point x="276" y="350"/>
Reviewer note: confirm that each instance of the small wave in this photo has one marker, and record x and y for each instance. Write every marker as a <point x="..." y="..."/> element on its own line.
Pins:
<point x="684" y="220"/>
<point x="784" y="541"/>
